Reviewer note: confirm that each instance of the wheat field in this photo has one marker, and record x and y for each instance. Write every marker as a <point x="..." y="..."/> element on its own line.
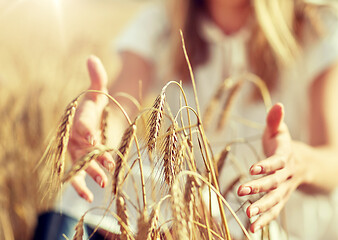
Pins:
<point x="44" y="45"/>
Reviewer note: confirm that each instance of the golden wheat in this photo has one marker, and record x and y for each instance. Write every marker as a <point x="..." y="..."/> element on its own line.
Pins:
<point x="229" y="101"/>
<point x="155" y="121"/>
<point x="170" y="158"/>
<point x="79" y="229"/>
<point x="83" y="163"/>
<point x="223" y="87"/>
<point x="122" y="213"/>
<point x="103" y="125"/>
<point x="124" y="148"/>
<point x="178" y="211"/>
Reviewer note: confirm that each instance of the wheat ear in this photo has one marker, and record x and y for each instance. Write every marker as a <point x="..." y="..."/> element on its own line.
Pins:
<point x="189" y="199"/>
<point x="122" y="213"/>
<point x="104" y="125"/>
<point x="207" y="116"/>
<point x="170" y="158"/>
<point x="147" y="226"/>
<point x="6" y="230"/>
<point x="155" y="121"/>
<point x="54" y="156"/>
<point x="79" y="230"/>
<point x="83" y="163"/>
<point x="220" y="161"/>
<point x="228" y="104"/>
<point x="142" y="226"/>
<point x="122" y="155"/>
<point x="63" y="136"/>
<point x="180" y="223"/>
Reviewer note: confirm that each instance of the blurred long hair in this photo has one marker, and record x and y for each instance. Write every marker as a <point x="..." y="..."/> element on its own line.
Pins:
<point x="275" y="39"/>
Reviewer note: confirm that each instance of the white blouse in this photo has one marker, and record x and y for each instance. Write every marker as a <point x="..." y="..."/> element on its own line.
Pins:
<point x="308" y="217"/>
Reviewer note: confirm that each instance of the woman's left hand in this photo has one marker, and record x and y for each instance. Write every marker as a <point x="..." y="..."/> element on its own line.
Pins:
<point x="281" y="172"/>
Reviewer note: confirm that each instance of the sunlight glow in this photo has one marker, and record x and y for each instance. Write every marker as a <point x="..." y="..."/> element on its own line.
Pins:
<point x="11" y="6"/>
<point x="57" y="4"/>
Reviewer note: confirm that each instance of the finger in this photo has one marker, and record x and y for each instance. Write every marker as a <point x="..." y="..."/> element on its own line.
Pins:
<point x="265" y="218"/>
<point x="80" y="186"/>
<point x="86" y="132"/>
<point x="93" y="169"/>
<point x="97" y="73"/>
<point x="264" y="184"/>
<point x="269" y="200"/>
<point x="78" y="149"/>
<point x="97" y="173"/>
<point x="274" y="119"/>
<point x="82" y="137"/>
<point x="269" y="165"/>
<point x="98" y="76"/>
<point x="107" y="161"/>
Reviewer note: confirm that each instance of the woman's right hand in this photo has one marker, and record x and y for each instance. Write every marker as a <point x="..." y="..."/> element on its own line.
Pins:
<point x="86" y="133"/>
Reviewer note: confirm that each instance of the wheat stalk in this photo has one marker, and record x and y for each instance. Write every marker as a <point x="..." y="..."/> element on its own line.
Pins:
<point x="201" y="130"/>
<point x="217" y="192"/>
<point x="231" y="186"/>
<point x="206" y="227"/>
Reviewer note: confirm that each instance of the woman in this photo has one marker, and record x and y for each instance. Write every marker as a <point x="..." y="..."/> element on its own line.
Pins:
<point x="280" y="41"/>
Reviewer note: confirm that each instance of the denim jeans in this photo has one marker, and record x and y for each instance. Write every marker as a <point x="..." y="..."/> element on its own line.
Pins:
<point x="52" y="226"/>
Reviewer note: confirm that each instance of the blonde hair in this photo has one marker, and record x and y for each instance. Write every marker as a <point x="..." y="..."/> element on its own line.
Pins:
<point x="275" y="40"/>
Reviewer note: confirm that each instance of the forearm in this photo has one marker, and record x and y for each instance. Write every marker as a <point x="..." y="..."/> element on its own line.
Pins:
<point x="320" y="166"/>
<point x="134" y="79"/>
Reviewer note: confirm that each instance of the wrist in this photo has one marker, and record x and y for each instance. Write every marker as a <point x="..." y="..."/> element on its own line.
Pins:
<point x="303" y="162"/>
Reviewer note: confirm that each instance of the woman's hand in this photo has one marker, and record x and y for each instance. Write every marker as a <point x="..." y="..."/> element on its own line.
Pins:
<point x="281" y="172"/>
<point x="85" y="132"/>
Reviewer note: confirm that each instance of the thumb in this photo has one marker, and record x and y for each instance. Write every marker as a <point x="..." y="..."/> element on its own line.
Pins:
<point x="97" y="73"/>
<point x="275" y="119"/>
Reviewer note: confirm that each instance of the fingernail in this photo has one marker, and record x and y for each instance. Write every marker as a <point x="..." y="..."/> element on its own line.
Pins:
<point x="99" y="181"/>
<point x="257" y="228"/>
<point x="253" y="211"/>
<point x="244" y="191"/>
<point x="90" y="139"/>
<point x="256" y="170"/>
<point x="84" y="196"/>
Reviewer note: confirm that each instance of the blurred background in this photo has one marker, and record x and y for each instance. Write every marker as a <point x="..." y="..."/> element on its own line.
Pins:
<point x="44" y="45"/>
